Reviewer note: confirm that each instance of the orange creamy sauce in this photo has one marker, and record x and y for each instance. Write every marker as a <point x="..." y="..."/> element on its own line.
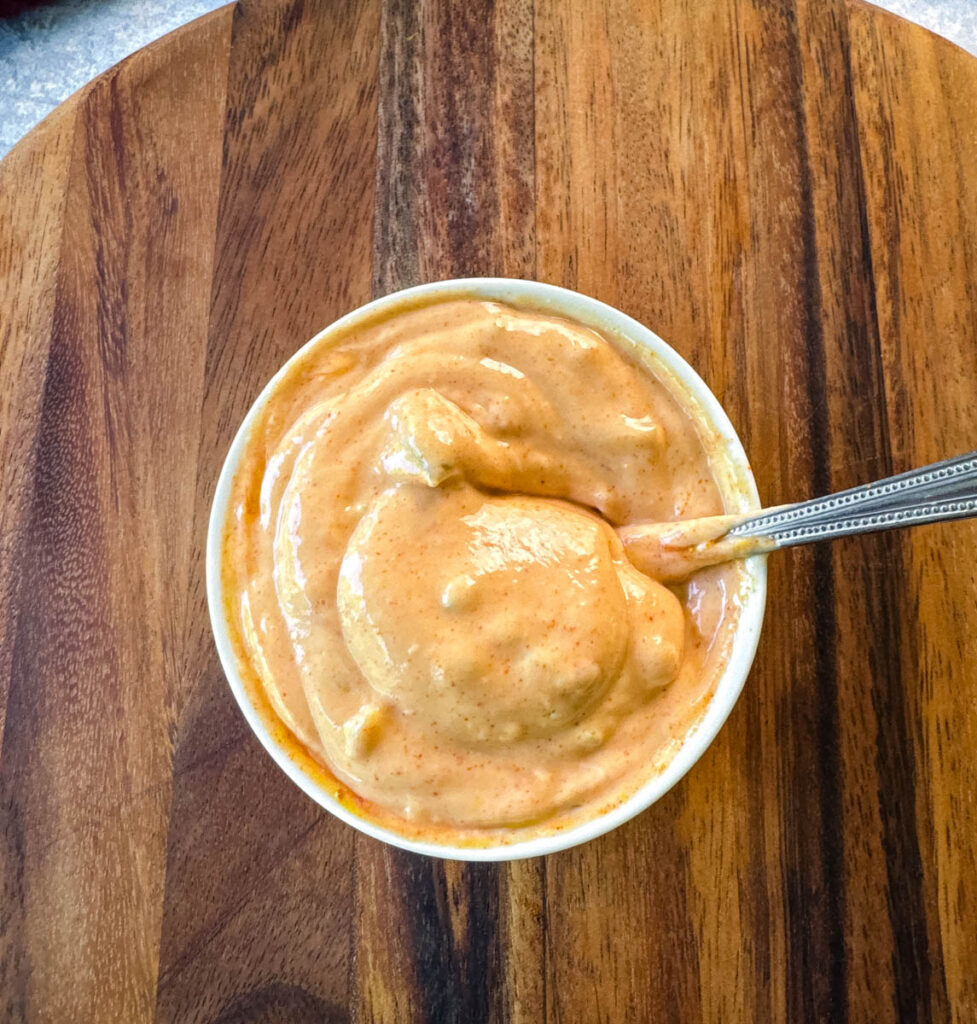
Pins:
<point x="426" y="584"/>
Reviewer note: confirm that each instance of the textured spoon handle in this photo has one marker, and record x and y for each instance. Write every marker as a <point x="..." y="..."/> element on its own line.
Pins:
<point x="942" y="490"/>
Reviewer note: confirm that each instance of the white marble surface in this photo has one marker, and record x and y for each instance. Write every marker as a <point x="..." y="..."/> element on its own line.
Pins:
<point x="49" y="52"/>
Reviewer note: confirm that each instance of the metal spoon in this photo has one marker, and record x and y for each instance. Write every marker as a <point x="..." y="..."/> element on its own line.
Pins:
<point x="941" y="491"/>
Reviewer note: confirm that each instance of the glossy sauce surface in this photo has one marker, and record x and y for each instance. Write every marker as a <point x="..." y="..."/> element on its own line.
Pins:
<point x="425" y="577"/>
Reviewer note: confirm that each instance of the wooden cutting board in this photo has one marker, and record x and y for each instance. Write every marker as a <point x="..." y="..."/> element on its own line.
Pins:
<point x="785" y="191"/>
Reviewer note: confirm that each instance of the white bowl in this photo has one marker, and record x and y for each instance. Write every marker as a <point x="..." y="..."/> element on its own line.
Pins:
<point x="735" y="480"/>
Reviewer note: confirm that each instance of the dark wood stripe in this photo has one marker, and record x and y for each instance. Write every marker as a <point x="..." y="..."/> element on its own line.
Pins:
<point x="816" y="982"/>
<point x="30" y="237"/>
<point x="398" y="216"/>
<point x="452" y="931"/>
<point x="460" y="172"/>
<point x="456" y="158"/>
<point x="60" y="534"/>
<point x="891" y="652"/>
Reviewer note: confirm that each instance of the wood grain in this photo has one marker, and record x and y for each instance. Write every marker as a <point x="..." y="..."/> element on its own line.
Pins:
<point x="787" y="192"/>
<point x="94" y="673"/>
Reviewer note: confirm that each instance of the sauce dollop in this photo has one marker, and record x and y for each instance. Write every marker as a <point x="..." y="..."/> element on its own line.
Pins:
<point x="425" y="577"/>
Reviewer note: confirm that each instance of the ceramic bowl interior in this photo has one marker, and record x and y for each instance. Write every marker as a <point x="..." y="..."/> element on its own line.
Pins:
<point x="735" y="481"/>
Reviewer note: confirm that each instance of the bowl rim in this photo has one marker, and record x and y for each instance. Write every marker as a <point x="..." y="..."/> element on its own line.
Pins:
<point x="592" y="312"/>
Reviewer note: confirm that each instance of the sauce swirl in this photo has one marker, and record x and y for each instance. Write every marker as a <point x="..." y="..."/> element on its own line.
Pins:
<point x="425" y="574"/>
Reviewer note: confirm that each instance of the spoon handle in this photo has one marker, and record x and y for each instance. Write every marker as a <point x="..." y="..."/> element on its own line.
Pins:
<point x="943" y="490"/>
